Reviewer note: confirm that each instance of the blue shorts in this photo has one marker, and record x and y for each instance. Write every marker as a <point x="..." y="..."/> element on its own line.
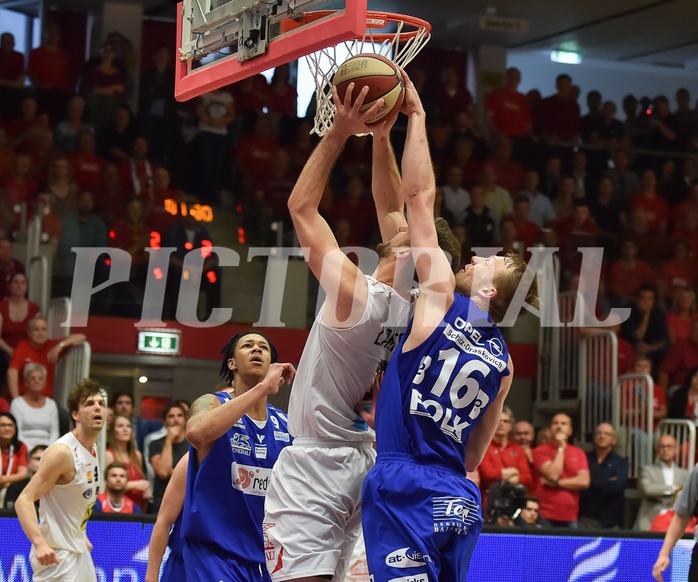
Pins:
<point x="205" y="562"/>
<point x="174" y="570"/>
<point x="420" y="523"/>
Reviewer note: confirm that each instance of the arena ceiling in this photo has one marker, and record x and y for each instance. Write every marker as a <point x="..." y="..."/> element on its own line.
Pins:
<point x="650" y="32"/>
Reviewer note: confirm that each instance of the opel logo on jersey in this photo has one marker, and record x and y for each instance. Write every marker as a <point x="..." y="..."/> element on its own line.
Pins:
<point x="87" y="494"/>
<point x="495" y="346"/>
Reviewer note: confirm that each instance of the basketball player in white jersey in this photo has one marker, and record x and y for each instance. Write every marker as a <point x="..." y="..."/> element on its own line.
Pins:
<point x="313" y="504"/>
<point x="67" y="484"/>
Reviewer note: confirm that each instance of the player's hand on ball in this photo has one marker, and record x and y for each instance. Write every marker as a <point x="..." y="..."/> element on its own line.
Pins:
<point x="412" y="103"/>
<point x="349" y="119"/>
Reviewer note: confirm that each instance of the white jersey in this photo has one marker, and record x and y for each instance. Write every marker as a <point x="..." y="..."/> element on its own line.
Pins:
<point x="65" y="509"/>
<point x="338" y="366"/>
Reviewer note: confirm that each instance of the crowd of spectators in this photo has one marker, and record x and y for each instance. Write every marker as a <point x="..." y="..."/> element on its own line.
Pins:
<point x="554" y="483"/>
<point x="536" y="173"/>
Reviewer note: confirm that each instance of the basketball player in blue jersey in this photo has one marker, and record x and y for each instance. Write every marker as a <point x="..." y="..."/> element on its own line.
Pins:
<point x="441" y="397"/>
<point x="313" y="508"/>
<point x="236" y="437"/>
<point x="167" y="531"/>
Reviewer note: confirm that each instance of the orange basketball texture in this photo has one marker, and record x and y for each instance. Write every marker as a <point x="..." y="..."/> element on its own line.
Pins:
<point x="382" y="77"/>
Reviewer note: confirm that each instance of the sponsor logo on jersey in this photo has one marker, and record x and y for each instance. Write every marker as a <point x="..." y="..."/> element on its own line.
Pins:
<point x="454" y="514"/>
<point x="240" y="443"/>
<point x="250" y="480"/>
<point x="280" y="435"/>
<point x="422" y="577"/>
<point x="87" y="494"/>
<point x="240" y="424"/>
<point x="260" y="451"/>
<point x="406" y="558"/>
<point x="89" y="477"/>
<point x="260" y="438"/>
<point x="388" y="338"/>
<point x="471" y="343"/>
<point x="496" y="347"/>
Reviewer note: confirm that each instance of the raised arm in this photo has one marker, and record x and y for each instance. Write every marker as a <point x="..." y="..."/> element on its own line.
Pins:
<point x="171" y="507"/>
<point x="339" y="277"/>
<point x="56" y="465"/>
<point x="387" y="184"/>
<point x="209" y="419"/>
<point x="436" y="281"/>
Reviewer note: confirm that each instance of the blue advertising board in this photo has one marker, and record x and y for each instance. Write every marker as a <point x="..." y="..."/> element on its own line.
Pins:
<point x="121" y="555"/>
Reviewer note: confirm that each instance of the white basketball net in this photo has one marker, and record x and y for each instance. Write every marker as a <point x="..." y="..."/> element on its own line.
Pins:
<point x="324" y="63"/>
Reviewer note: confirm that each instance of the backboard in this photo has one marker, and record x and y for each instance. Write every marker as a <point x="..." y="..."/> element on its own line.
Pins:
<point x="253" y="36"/>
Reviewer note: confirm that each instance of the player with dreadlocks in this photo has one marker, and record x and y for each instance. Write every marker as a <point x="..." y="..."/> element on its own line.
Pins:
<point x="235" y="437"/>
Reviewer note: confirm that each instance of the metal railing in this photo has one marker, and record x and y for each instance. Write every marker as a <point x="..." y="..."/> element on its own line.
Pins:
<point x="37" y="276"/>
<point x="558" y="357"/>
<point x="59" y="311"/>
<point x="71" y="368"/>
<point x="598" y="374"/>
<point x="633" y="418"/>
<point x="684" y="431"/>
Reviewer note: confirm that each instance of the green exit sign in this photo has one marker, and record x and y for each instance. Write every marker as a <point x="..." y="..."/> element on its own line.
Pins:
<point x="161" y="342"/>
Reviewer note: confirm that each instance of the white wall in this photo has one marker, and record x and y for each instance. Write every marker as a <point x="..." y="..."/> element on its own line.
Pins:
<point x="614" y="80"/>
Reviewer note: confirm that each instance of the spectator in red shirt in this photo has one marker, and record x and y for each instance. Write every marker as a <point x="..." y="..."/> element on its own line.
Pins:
<point x="9" y="267"/>
<point x="451" y="97"/>
<point x="254" y="152"/>
<point x="508" y="110"/>
<point x="49" y="70"/>
<point x="528" y="232"/>
<point x="682" y="208"/>
<point x="38" y="348"/>
<point x="13" y="454"/>
<point x="114" y="499"/>
<point x="680" y="358"/>
<point x="628" y="274"/>
<point x="86" y="164"/>
<point x="15" y="313"/>
<point x="11" y="77"/>
<point x="649" y="212"/>
<point x="136" y="173"/>
<point x="104" y="85"/>
<point x="354" y="208"/>
<point x="677" y="274"/>
<point x="683" y="403"/>
<point x="563" y="471"/>
<point x="463" y="158"/>
<point x="558" y="117"/>
<point x="504" y="460"/>
<point x="579" y="229"/>
<point x="510" y="173"/>
<point x="680" y="318"/>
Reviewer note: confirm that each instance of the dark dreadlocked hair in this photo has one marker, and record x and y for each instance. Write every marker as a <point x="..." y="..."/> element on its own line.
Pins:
<point x="228" y="352"/>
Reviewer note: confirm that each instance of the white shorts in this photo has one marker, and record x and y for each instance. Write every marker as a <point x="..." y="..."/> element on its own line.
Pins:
<point x="73" y="568"/>
<point x="313" y="508"/>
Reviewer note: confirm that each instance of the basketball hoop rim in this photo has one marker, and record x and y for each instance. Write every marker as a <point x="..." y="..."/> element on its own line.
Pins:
<point x="419" y="24"/>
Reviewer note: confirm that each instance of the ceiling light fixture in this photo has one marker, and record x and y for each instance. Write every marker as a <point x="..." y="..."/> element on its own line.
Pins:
<point x="565" y="57"/>
<point x="143" y="379"/>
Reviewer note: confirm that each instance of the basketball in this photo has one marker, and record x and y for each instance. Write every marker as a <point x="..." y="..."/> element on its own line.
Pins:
<point x="382" y="77"/>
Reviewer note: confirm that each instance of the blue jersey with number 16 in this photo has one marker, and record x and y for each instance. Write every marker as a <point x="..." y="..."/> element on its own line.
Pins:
<point x="433" y="395"/>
